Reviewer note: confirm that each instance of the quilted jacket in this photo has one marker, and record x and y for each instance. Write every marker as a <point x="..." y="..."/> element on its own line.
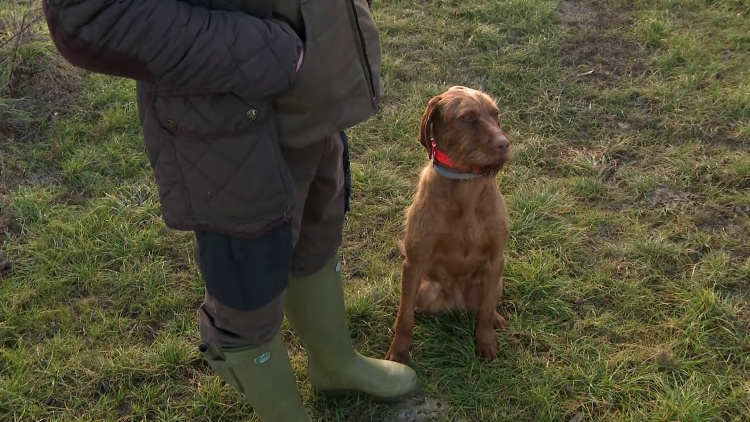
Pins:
<point x="218" y="96"/>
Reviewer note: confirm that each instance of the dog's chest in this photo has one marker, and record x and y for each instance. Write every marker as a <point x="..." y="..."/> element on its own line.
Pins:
<point x="459" y="257"/>
<point x="471" y="231"/>
<point x="473" y="214"/>
<point x="458" y="227"/>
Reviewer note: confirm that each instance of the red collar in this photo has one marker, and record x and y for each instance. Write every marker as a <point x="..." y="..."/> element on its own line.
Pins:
<point x="443" y="159"/>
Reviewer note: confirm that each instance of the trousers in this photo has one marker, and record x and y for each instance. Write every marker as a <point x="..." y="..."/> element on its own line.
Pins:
<point x="245" y="278"/>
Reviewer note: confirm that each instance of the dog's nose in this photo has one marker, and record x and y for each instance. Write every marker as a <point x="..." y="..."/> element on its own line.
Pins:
<point x="501" y="143"/>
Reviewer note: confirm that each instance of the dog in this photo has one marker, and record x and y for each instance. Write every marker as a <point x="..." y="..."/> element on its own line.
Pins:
<point x="457" y="226"/>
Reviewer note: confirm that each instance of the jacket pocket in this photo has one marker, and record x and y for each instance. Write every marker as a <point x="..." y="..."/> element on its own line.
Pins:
<point x="225" y="157"/>
<point x="336" y="86"/>
<point x="206" y="117"/>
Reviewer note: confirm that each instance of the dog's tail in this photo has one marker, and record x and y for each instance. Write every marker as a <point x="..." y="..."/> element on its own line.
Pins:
<point x="401" y="247"/>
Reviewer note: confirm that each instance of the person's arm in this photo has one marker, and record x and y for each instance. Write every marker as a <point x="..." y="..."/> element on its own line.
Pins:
<point x="176" y="46"/>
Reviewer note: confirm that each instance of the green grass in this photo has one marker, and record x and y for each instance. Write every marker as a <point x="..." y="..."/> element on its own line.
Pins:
<point x="628" y="266"/>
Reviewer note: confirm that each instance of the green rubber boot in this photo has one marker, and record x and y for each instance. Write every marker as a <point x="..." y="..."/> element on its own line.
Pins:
<point x="264" y="377"/>
<point x="314" y="307"/>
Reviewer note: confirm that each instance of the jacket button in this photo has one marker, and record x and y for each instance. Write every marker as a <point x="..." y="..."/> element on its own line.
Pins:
<point x="251" y="114"/>
<point x="171" y="124"/>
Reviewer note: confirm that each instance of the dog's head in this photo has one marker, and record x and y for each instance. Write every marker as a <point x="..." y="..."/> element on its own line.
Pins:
<point x="465" y="124"/>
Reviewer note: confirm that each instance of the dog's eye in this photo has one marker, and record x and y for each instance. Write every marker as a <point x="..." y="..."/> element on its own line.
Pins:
<point x="467" y="118"/>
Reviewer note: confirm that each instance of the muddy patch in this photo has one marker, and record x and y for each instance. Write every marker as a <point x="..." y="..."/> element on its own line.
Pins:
<point x="729" y="228"/>
<point x="593" y="50"/>
<point x="418" y="409"/>
<point x="664" y="196"/>
<point x="575" y="14"/>
<point x="723" y="225"/>
<point x="598" y="57"/>
<point x="5" y="267"/>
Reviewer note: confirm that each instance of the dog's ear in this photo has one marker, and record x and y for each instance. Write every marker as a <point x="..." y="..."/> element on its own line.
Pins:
<point x="425" y="127"/>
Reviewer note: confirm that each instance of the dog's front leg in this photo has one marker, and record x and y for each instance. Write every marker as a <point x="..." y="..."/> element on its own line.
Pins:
<point x="411" y="277"/>
<point x="487" y="318"/>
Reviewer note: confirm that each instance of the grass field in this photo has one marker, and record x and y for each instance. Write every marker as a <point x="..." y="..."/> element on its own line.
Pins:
<point x="628" y="266"/>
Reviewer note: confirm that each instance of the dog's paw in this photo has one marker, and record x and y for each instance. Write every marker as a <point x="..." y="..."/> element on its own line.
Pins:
<point x="487" y="350"/>
<point x="500" y="323"/>
<point x="486" y="343"/>
<point x="397" y="356"/>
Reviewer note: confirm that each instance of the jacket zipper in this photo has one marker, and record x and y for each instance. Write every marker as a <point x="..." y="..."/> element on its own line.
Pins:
<point x="362" y="44"/>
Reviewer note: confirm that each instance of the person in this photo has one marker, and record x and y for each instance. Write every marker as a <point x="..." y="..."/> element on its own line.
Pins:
<point x="243" y="107"/>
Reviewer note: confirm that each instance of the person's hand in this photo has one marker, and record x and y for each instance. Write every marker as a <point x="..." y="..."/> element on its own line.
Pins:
<point x="284" y="24"/>
<point x="300" y="59"/>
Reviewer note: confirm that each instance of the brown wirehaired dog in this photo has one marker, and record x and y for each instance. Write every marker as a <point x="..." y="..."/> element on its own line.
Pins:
<point x="457" y="226"/>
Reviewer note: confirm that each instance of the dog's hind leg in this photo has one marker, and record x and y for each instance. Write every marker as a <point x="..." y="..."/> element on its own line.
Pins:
<point x="430" y="298"/>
